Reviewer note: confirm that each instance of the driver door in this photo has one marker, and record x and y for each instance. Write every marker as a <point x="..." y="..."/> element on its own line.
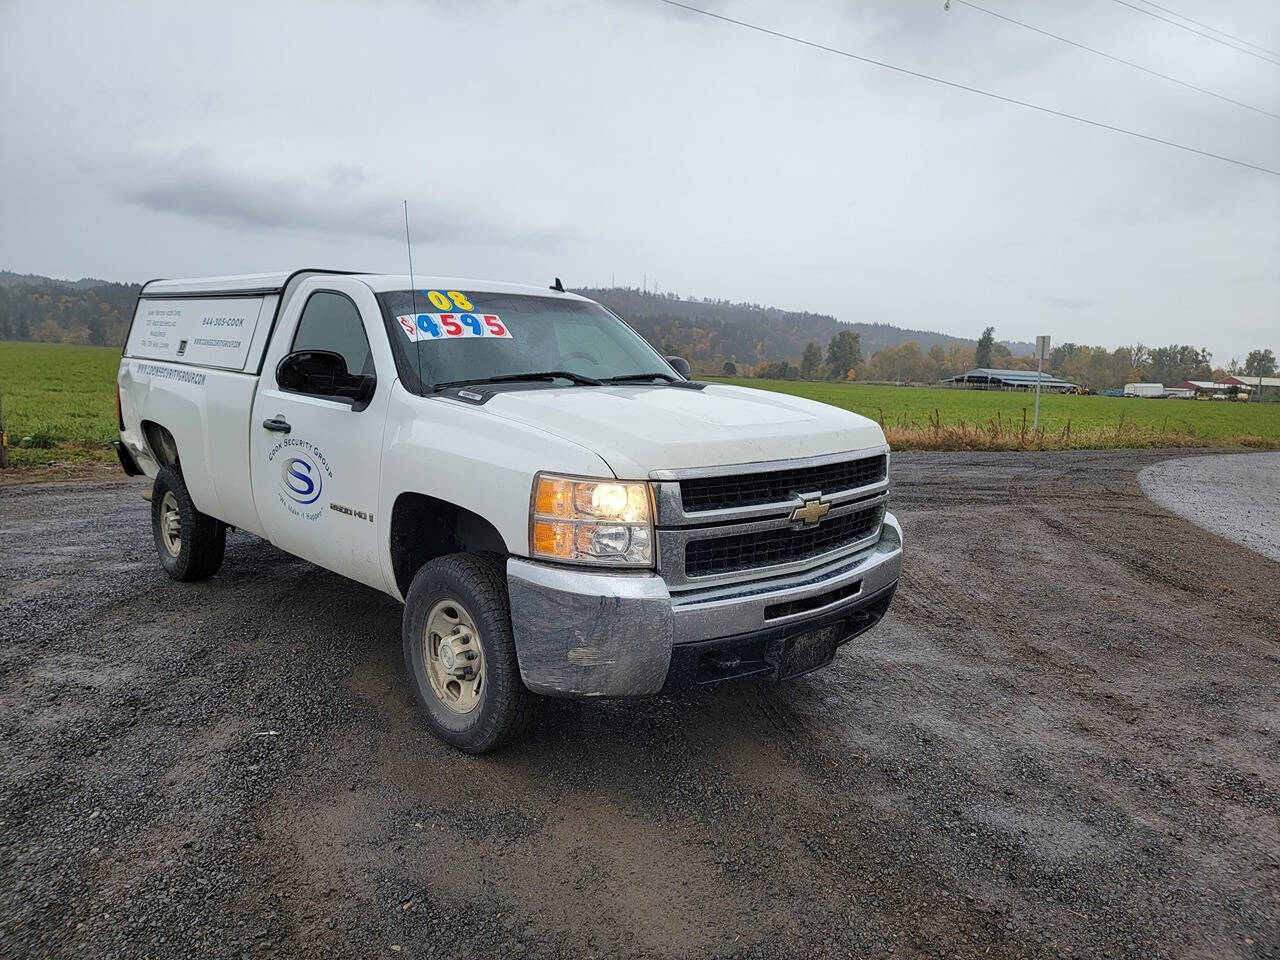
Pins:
<point x="316" y="457"/>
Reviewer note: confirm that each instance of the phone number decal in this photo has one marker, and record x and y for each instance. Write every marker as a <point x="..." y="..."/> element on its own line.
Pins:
<point x="450" y="326"/>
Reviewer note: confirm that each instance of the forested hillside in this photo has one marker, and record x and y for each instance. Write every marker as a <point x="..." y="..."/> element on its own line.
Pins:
<point x="711" y="332"/>
<point x="65" y="311"/>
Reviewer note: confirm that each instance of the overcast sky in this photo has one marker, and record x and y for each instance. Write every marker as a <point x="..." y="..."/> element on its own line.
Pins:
<point x="619" y="138"/>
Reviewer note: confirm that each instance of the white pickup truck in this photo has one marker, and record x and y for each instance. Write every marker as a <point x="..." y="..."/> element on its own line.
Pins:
<point x="561" y="510"/>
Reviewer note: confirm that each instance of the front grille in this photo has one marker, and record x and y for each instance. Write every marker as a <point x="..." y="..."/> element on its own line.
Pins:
<point x="776" y="486"/>
<point x="746" y="551"/>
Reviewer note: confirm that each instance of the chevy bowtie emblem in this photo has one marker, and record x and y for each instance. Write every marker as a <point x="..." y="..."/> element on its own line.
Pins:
<point x="812" y="511"/>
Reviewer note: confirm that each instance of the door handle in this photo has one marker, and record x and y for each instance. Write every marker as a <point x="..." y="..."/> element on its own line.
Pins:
<point x="277" y="425"/>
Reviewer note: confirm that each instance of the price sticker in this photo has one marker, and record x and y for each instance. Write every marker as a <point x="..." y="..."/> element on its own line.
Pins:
<point x="448" y="299"/>
<point x="452" y="326"/>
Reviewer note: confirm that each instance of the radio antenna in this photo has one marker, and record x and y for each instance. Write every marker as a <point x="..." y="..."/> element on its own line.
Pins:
<point x="413" y="293"/>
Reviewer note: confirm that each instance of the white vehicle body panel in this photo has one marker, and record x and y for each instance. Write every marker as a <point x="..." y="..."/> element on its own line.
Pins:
<point x="467" y="456"/>
<point x="208" y="410"/>
<point x="331" y="456"/>
<point x="638" y="429"/>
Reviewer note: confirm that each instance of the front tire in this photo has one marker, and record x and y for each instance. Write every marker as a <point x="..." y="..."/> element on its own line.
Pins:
<point x="460" y="656"/>
<point x="190" y="544"/>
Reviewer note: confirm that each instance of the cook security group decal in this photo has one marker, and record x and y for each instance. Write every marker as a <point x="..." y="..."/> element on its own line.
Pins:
<point x="457" y="320"/>
<point x="303" y="474"/>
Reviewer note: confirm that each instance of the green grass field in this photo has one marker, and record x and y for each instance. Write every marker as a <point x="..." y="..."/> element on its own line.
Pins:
<point x="59" y="404"/>
<point x="59" y="401"/>
<point x="909" y="415"/>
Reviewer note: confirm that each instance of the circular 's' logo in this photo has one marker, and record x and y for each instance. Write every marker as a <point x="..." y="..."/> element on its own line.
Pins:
<point x="301" y="479"/>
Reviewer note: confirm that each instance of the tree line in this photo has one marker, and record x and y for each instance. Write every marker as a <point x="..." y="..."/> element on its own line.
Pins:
<point x="716" y="336"/>
<point x="1094" y="367"/>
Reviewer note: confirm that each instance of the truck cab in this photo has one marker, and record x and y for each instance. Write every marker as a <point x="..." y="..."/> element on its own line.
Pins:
<point x="562" y="510"/>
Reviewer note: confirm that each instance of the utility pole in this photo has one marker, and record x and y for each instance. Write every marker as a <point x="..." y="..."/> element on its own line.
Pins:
<point x="1042" y="347"/>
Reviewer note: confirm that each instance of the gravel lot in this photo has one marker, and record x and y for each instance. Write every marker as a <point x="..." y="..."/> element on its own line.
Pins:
<point x="1064" y="740"/>
<point x="1235" y="496"/>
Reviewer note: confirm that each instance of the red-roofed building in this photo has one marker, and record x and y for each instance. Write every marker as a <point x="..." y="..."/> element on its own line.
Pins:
<point x="1261" y="388"/>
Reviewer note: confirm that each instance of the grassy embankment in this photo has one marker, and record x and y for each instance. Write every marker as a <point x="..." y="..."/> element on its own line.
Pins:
<point x="59" y="405"/>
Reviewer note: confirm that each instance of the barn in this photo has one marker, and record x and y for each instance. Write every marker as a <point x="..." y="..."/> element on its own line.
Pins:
<point x="1198" y="388"/>
<point x="988" y="378"/>
<point x="1260" y="388"/>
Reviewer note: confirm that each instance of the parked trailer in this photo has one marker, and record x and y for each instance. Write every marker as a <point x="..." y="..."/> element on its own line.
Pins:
<point x="1144" y="389"/>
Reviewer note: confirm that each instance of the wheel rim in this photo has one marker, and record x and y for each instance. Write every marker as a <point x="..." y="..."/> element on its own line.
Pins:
<point x="171" y="524"/>
<point x="453" y="656"/>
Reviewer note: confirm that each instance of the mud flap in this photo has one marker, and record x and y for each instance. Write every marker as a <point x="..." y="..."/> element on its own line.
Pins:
<point x="127" y="463"/>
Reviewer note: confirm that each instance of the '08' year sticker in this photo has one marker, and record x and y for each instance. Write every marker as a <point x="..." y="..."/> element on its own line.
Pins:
<point x="452" y="326"/>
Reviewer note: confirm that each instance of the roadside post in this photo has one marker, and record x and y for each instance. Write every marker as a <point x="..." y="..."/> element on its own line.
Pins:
<point x="4" y="437"/>
<point x="1042" y="348"/>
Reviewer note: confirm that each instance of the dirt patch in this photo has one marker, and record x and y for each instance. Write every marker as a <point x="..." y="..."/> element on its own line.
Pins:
<point x="52" y="470"/>
<point x="1062" y="741"/>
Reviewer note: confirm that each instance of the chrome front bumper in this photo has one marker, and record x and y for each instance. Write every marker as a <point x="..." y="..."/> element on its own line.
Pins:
<point x="602" y="633"/>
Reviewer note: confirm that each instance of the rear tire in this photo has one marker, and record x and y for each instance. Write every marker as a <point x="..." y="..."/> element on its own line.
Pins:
<point x="459" y="653"/>
<point x="190" y="544"/>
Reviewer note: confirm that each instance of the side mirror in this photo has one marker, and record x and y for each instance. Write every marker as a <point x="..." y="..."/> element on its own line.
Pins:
<point x="324" y="373"/>
<point x="681" y="366"/>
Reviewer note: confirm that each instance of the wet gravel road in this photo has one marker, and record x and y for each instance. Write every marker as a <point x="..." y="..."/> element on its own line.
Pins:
<point x="1064" y="740"/>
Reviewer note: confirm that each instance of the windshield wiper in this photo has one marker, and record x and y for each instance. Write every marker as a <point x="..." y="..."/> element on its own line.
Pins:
<point x="636" y="377"/>
<point x="577" y="378"/>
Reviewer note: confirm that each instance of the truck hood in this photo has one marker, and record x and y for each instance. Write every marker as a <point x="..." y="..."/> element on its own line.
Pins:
<point x="637" y="429"/>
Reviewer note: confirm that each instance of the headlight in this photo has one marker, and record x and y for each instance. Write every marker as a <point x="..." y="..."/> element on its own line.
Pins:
<point x="591" y="521"/>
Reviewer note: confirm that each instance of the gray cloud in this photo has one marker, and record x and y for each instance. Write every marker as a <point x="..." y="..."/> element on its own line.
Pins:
<point x="342" y="200"/>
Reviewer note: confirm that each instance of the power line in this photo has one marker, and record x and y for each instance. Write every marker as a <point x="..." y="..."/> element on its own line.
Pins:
<point x="968" y="89"/>
<point x="1183" y="16"/>
<point x="1199" y="33"/>
<point x="1127" y="63"/>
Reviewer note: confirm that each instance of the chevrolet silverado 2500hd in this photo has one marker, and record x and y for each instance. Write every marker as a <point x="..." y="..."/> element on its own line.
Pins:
<point x="561" y="510"/>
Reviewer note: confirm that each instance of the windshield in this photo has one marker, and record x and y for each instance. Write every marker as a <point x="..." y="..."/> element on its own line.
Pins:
<point x="469" y="336"/>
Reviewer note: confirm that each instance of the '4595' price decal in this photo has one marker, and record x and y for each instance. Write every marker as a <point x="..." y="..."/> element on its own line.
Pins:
<point x="448" y="326"/>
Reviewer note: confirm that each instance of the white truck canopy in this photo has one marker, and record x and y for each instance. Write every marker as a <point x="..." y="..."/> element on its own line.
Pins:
<point x="225" y="322"/>
<point x="219" y="322"/>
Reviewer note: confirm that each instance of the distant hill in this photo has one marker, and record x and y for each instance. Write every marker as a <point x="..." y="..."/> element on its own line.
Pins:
<point x="91" y="311"/>
<point x="710" y="332"/>
<point x="10" y="279"/>
<point x="707" y="332"/>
